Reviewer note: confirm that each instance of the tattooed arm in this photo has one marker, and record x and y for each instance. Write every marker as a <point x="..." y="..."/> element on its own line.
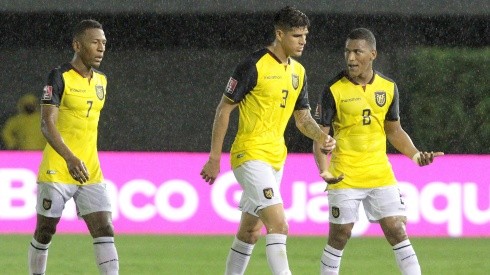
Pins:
<point x="308" y="126"/>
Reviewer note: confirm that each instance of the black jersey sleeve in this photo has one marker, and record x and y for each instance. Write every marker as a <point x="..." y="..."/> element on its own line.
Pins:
<point x="53" y="90"/>
<point x="326" y="109"/>
<point x="303" y="102"/>
<point x="242" y="81"/>
<point x="393" y="113"/>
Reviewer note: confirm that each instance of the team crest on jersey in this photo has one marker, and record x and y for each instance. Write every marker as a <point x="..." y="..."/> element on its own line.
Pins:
<point x="47" y="204"/>
<point x="230" y="87"/>
<point x="335" y="212"/>
<point x="268" y="193"/>
<point x="380" y="97"/>
<point x="99" y="91"/>
<point x="295" y="79"/>
<point x="47" y="92"/>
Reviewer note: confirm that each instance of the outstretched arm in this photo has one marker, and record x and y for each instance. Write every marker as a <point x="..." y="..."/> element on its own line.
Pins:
<point x="402" y="142"/>
<point x="220" y="126"/>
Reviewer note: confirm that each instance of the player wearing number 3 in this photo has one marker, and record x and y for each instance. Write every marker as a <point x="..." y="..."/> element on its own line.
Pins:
<point x="268" y="87"/>
<point x="70" y="108"/>
<point x="360" y="105"/>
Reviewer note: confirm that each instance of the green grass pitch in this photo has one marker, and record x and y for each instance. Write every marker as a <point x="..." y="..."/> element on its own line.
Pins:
<point x="157" y="254"/>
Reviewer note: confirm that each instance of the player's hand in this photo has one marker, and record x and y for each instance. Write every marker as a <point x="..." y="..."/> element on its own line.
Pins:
<point x="78" y="170"/>
<point x="330" y="179"/>
<point x="327" y="144"/>
<point x="210" y="171"/>
<point x="425" y="158"/>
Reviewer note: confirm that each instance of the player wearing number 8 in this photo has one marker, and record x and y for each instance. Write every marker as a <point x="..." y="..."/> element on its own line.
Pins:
<point x="360" y="105"/>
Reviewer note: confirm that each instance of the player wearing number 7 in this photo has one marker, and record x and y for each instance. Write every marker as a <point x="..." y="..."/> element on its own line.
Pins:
<point x="360" y="105"/>
<point x="70" y="109"/>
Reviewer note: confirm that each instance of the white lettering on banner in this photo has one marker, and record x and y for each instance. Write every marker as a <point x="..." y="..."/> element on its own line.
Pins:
<point x="172" y="188"/>
<point x="17" y="193"/>
<point x="126" y="194"/>
<point x="218" y="197"/>
<point x="470" y="208"/>
<point x="140" y="200"/>
<point x="451" y="213"/>
<point x="160" y="203"/>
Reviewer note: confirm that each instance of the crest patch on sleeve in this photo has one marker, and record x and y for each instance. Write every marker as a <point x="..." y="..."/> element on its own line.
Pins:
<point x="230" y="87"/>
<point x="47" y="92"/>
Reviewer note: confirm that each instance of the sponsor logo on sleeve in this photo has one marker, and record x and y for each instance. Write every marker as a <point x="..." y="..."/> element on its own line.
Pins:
<point x="47" y="92"/>
<point x="230" y="87"/>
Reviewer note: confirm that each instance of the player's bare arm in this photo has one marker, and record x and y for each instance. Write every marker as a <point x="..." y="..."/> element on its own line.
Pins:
<point x="308" y="126"/>
<point x="402" y="142"/>
<point x="211" y="169"/>
<point x="76" y="167"/>
<point x="321" y="160"/>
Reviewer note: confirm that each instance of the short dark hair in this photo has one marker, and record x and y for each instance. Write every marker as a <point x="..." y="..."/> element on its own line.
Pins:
<point x="84" y="25"/>
<point x="290" y="17"/>
<point x="363" y="34"/>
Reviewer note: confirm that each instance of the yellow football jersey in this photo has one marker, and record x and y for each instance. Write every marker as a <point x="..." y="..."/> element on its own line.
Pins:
<point x="267" y="92"/>
<point x="79" y="102"/>
<point x="357" y="117"/>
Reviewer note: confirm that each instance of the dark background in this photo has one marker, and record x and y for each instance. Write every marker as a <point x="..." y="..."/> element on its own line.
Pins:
<point x="168" y="64"/>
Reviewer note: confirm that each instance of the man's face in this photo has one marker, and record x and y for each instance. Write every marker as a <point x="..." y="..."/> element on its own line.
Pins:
<point x="359" y="56"/>
<point x="91" y="47"/>
<point x="293" y="41"/>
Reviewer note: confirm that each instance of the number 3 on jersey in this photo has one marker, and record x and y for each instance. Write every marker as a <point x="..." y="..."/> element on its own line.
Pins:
<point x="366" y="117"/>
<point x="284" y="98"/>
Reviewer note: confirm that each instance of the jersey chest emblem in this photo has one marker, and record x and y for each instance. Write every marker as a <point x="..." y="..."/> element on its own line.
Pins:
<point x="295" y="81"/>
<point x="99" y="91"/>
<point x="380" y="98"/>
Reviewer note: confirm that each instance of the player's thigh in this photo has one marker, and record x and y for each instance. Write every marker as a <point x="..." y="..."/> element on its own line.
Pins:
<point x="92" y="198"/>
<point x="344" y="205"/>
<point x="52" y="197"/>
<point x="384" y="202"/>
<point x="260" y="184"/>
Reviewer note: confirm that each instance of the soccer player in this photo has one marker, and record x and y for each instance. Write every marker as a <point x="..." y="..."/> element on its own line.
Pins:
<point x="268" y="87"/>
<point x="70" y="108"/>
<point x="360" y="105"/>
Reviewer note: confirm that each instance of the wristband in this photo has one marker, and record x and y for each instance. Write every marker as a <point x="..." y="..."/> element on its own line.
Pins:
<point x="416" y="158"/>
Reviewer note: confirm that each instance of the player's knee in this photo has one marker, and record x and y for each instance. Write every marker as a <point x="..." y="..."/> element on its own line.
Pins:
<point x="44" y="233"/>
<point x="338" y="237"/>
<point x="249" y="236"/>
<point x="103" y="230"/>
